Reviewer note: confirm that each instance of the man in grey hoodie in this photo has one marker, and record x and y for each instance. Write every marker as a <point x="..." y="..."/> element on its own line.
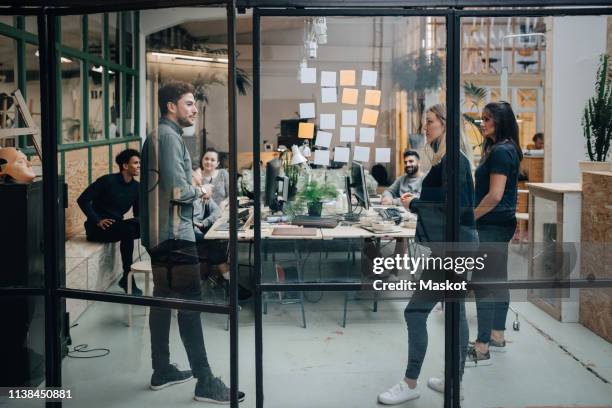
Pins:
<point x="167" y="198"/>
<point x="409" y="182"/>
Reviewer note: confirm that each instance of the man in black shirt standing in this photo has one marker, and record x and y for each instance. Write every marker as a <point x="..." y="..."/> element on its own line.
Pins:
<point x="106" y="201"/>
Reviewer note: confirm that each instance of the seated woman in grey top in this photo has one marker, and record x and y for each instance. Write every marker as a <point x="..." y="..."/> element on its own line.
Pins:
<point x="410" y="182"/>
<point x="214" y="180"/>
<point x="205" y="213"/>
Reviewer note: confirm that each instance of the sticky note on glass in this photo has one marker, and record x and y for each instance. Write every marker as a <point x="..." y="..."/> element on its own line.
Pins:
<point x="361" y="154"/>
<point x="329" y="95"/>
<point x="349" y="117"/>
<point x="309" y="76"/>
<point x="307" y="110"/>
<point x="341" y="154"/>
<point x="328" y="78"/>
<point x="323" y="139"/>
<point x="368" y="78"/>
<point x="372" y="97"/>
<point x="347" y="134"/>
<point x="321" y="157"/>
<point x="369" y="117"/>
<point x="327" y="121"/>
<point x="366" y="135"/>
<point x="306" y="130"/>
<point x="347" y="78"/>
<point x="350" y="96"/>
<point x="383" y="155"/>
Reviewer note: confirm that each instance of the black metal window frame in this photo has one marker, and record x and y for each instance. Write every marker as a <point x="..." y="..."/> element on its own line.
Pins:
<point x="53" y="293"/>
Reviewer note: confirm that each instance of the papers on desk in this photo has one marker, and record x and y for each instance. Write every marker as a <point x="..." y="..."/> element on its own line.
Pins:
<point x="327" y="121"/>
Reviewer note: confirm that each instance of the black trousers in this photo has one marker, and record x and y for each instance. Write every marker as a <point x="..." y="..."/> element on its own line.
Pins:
<point x="124" y="231"/>
<point x="176" y="273"/>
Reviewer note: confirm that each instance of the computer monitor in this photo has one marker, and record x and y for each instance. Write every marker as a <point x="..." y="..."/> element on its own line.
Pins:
<point x="277" y="186"/>
<point x="358" y="183"/>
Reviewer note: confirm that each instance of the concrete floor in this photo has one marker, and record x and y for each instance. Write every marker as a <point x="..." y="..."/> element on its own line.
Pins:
<point x="548" y="363"/>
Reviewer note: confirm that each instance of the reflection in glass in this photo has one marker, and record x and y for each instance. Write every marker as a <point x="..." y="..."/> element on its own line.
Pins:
<point x="8" y="117"/>
<point x="31" y="24"/>
<point x="123" y="356"/>
<point x="72" y="31"/>
<point x="114" y="86"/>
<point x="96" y="102"/>
<point x="7" y="20"/>
<point x="114" y="26"/>
<point x="71" y="106"/>
<point x="129" y="104"/>
<point x="95" y="26"/>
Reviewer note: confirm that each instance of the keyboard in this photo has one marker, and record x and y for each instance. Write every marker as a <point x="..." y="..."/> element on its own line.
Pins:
<point x="315" y="222"/>
<point x="392" y="214"/>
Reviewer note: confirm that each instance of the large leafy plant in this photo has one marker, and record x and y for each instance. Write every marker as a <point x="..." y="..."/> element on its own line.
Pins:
<point x="597" y="115"/>
<point x="474" y="96"/>
<point x="314" y="192"/>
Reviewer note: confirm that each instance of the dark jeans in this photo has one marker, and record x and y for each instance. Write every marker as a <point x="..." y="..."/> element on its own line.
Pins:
<point x="492" y="305"/>
<point x="176" y="273"/>
<point x="125" y="231"/>
<point x="416" y="313"/>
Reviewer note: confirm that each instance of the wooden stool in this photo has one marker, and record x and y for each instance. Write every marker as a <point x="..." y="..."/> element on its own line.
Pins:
<point x="138" y="267"/>
<point x="522" y="220"/>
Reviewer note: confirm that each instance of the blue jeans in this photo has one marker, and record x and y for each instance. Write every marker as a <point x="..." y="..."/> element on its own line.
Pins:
<point x="416" y="313"/>
<point x="176" y="273"/>
<point x="492" y="305"/>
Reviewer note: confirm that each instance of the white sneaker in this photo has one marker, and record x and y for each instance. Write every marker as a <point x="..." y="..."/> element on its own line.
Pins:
<point x="437" y="384"/>
<point x="397" y="394"/>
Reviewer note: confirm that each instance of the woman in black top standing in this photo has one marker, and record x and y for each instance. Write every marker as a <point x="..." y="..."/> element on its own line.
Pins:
<point x="496" y="193"/>
<point x="430" y="232"/>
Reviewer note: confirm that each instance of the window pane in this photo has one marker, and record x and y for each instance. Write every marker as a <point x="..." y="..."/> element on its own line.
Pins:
<point x="113" y="36"/>
<point x="95" y="34"/>
<point x="8" y="64"/>
<point x="129" y="104"/>
<point x="128" y="41"/>
<point x="8" y="20"/>
<point x="31" y="23"/>
<point x="115" y="126"/>
<point x="96" y="102"/>
<point x="33" y="84"/>
<point x="72" y="31"/>
<point x="71" y="105"/>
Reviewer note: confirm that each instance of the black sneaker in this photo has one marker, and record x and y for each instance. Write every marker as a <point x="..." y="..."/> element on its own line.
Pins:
<point x="212" y="389"/>
<point x="123" y="285"/>
<point x="170" y="376"/>
<point x="494" y="346"/>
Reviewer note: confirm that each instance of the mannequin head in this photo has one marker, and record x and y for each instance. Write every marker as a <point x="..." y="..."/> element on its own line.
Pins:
<point x="15" y="165"/>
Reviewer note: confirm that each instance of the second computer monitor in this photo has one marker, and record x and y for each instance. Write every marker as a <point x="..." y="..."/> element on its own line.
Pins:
<point x="358" y="182"/>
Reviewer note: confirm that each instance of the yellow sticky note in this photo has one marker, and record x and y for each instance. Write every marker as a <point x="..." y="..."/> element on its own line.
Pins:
<point x="306" y="130"/>
<point x="347" y="78"/>
<point x="372" y="97"/>
<point x="350" y="96"/>
<point x="369" y="117"/>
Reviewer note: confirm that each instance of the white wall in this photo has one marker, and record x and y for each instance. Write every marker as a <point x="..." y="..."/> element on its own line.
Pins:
<point x="575" y="44"/>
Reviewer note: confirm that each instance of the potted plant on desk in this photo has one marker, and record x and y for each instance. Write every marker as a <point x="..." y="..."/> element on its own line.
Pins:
<point x="597" y="120"/>
<point x="314" y="194"/>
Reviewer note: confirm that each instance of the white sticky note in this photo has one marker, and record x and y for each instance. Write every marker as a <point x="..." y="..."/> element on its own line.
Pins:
<point x="327" y="121"/>
<point x="328" y="78"/>
<point x="307" y="110"/>
<point x="341" y="154"/>
<point x="329" y="95"/>
<point x="309" y="76"/>
<point x="321" y="157"/>
<point x="383" y="155"/>
<point x="349" y="117"/>
<point x="347" y="134"/>
<point x="366" y="135"/>
<point x="361" y="154"/>
<point x="323" y="139"/>
<point x="368" y="78"/>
